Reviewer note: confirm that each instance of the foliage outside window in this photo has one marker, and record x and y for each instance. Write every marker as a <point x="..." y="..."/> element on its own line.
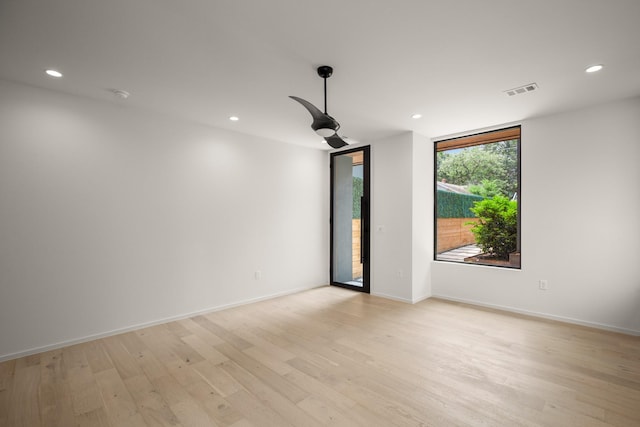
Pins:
<point x="358" y="191"/>
<point x="477" y="198"/>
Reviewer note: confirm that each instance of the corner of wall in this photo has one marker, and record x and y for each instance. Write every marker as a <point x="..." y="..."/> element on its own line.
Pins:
<point x="422" y="223"/>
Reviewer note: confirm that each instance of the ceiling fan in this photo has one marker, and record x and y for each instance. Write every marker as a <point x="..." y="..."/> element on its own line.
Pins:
<point x="323" y="124"/>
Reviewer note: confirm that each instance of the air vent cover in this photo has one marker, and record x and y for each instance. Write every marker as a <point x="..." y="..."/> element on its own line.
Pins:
<point x="522" y="89"/>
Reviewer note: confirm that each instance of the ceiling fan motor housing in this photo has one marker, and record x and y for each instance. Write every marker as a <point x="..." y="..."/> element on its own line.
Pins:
<point x="325" y="126"/>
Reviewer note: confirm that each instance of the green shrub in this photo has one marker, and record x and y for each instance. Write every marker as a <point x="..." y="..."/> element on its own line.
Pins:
<point x="496" y="232"/>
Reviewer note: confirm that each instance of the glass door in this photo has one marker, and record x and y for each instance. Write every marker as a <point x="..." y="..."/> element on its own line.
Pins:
<point x="350" y="219"/>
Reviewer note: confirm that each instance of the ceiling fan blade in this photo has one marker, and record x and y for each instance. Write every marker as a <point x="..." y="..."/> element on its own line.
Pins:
<point x="335" y="141"/>
<point x="315" y="112"/>
<point x="320" y="119"/>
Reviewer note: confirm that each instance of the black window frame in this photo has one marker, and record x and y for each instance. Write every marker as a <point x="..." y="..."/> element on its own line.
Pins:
<point x="469" y="140"/>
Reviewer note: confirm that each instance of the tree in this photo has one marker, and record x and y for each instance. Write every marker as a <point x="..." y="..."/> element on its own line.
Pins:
<point x="495" y="162"/>
<point x="508" y="153"/>
<point x="468" y="166"/>
<point x="487" y="189"/>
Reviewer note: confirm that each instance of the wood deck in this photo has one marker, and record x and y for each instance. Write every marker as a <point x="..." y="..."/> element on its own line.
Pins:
<point x="459" y="254"/>
<point x="334" y="357"/>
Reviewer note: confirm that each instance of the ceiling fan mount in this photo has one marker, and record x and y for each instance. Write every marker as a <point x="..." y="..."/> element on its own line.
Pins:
<point x="325" y="71"/>
<point x="323" y="124"/>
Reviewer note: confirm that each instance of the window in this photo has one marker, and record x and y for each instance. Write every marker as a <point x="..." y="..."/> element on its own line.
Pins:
<point x="477" y="198"/>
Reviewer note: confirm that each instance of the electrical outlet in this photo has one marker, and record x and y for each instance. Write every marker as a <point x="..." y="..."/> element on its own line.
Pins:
<point x="400" y="273"/>
<point x="258" y="275"/>
<point x="543" y="284"/>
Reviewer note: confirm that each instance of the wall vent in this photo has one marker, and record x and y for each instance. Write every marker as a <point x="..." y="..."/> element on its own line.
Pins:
<point x="522" y="89"/>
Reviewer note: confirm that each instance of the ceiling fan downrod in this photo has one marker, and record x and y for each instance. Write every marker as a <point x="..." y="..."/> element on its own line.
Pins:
<point x="325" y="72"/>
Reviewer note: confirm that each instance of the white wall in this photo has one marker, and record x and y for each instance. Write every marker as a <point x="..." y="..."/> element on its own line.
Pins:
<point x="111" y="217"/>
<point x="580" y="224"/>
<point x="391" y="217"/>
<point x="401" y="217"/>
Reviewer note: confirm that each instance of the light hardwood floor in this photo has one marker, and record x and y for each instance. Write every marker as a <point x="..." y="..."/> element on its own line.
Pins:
<point x="333" y="357"/>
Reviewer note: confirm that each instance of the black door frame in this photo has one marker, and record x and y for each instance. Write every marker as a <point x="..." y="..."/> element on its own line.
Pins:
<point x="365" y="215"/>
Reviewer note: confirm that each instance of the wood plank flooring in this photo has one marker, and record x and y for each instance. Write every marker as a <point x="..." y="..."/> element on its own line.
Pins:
<point x="334" y="357"/>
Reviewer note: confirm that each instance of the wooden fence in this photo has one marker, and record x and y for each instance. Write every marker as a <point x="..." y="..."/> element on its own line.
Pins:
<point x="453" y="233"/>
<point x="355" y="245"/>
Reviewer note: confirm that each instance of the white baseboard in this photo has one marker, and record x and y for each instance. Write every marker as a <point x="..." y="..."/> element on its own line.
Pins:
<point x="92" y="337"/>
<point x="407" y="300"/>
<point x="422" y="298"/>
<point x="542" y="315"/>
<point x="391" y="297"/>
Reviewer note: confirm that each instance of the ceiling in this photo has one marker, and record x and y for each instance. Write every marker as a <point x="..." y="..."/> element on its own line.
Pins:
<point x="449" y="60"/>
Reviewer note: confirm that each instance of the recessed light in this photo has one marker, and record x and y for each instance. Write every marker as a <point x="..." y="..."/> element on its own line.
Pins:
<point x="416" y="116"/>
<point x="594" y="68"/>
<point x="234" y="118"/>
<point x="53" y="73"/>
